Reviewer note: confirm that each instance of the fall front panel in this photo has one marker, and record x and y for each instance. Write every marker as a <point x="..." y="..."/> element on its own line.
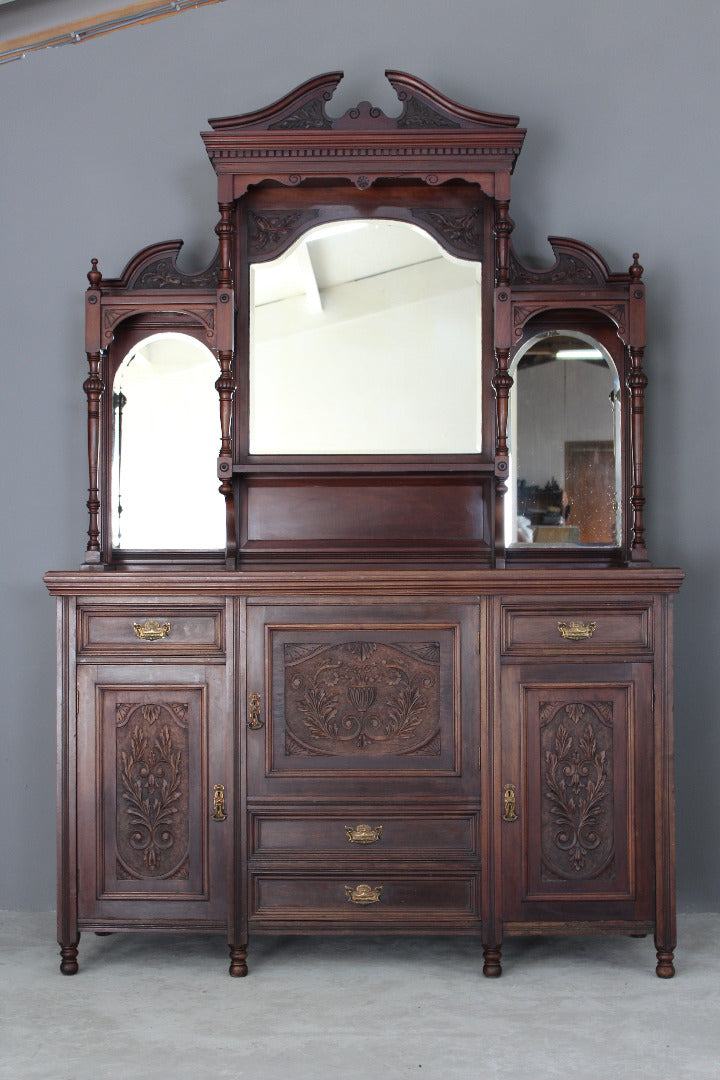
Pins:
<point x="351" y="693"/>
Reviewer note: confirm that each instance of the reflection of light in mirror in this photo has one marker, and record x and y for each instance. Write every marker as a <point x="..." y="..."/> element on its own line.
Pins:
<point x="365" y="338"/>
<point x="166" y="436"/>
<point x="565" y="436"/>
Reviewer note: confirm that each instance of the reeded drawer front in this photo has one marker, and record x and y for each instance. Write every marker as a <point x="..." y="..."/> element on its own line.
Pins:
<point x="362" y="899"/>
<point x="576" y="627"/>
<point x="365" y="834"/>
<point x="151" y="630"/>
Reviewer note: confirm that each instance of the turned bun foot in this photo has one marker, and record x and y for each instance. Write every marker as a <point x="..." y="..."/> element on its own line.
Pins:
<point x="665" y="968"/>
<point x="492" y="968"/>
<point x="69" y="962"/>
<point x="238" y="963"/>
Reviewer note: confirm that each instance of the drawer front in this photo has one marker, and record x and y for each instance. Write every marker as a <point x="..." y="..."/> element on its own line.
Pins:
<point x="151" y="631"/>
<point x="365" y="835"/>
<point x="370" y="900"/>
<point x="576" y="627"/>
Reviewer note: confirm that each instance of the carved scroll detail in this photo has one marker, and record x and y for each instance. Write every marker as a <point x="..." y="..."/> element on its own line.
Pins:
<point x="362" y="697"/>
<point x="577" y="789"/>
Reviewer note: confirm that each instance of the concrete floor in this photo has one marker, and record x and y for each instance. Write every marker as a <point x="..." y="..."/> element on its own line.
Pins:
<point x="147" y="1006"/>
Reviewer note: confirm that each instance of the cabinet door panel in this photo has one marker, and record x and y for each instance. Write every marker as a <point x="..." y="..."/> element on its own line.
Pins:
<point x="356" y="693"/>
<point x="150" y="752"/>
<point x="577" y="752"/>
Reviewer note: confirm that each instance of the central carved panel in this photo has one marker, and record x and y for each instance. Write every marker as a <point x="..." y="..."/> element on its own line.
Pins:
<point x="576" y="743"/>
<point x="152" y="826"/>
<point x="362" y="698"/>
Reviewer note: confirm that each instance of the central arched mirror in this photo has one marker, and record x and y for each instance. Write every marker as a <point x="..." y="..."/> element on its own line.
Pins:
<point x="365" y="338"/>
<point x="565" y="429"/>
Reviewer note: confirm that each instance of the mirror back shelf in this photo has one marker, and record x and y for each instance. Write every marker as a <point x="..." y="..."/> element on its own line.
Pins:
<point x="373" y="331"/>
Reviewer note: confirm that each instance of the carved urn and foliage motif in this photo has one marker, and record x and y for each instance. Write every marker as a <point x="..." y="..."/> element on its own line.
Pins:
<point x="362" y="697"/>
<point x="152" y="811"/>
<point x="577" y="815"/>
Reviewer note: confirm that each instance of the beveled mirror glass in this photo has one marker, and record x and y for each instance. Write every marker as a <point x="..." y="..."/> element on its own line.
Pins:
<point x="566" y="478"/>
<point x="365" y="338"/>
<point x="166" y="435"/>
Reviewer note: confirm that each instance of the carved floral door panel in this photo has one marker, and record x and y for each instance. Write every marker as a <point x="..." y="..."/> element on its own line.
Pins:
<point x="577" y="782"/>
<point x="157" y="830"/>
<point x="360" y="694"/>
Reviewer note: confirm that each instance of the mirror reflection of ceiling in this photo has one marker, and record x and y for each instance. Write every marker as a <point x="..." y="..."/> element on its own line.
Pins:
<point x="365" y="338"/>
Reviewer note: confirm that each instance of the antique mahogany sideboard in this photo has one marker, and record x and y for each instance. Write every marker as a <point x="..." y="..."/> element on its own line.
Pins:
<point x="410" y="670"/>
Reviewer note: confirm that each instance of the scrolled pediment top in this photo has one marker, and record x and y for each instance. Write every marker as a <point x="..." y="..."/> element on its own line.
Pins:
<point x="424" y="109"/>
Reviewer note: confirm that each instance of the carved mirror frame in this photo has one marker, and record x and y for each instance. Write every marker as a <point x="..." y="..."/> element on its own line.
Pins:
<point x="284" y="169"/>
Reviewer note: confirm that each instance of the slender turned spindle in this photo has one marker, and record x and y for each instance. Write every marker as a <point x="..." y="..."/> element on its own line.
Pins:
<point x="223" y="231"/>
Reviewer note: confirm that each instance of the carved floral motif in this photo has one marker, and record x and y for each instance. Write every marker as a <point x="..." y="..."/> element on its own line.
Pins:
<point x="164" y="274"/>
<point x="152" y="814"/>
<point x="577" y="815"/>
<point x="308" y="117"/>
<point x="418" y="114"/>
<point x="459" y="227"/>
<point x="568" y="270"/>
<point x="362" y="697"/>
<point x="269" y="231"/>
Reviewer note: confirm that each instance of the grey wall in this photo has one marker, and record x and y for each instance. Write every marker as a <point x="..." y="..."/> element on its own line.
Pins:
<point x="101" y="156"/>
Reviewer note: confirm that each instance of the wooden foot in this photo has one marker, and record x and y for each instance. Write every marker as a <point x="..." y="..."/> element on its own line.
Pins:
<point x="665" y="968"/>
<point x="492" y="968"/>
<point x="238" y="965"/>
<point x="69" y="962"/>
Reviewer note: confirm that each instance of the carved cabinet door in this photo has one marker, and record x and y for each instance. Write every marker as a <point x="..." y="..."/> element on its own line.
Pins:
<point x="574" y="811"/>
<point x="154" y="830"/>
<point x="353" y="696"/>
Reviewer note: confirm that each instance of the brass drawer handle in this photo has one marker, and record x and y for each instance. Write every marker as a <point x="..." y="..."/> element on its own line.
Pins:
<point x="218" y="813"/>
<point x="363" y="894"/>
<point x="151" y="630"/>
<point x="363" y="834"/>
<point x="509" y="803"/>
<point x="577" y="631"/>
<point x="254" y="721"/>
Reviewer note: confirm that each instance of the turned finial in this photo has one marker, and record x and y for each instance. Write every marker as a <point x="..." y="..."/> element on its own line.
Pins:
<point x="94" y="275"/>
<point x="636" y="269"/>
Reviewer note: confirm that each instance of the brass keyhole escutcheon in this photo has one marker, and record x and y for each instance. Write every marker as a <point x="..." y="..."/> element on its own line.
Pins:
<point x="509" y="803"/>
<point x="254" y="721"/>
<point x="218" y="811"/>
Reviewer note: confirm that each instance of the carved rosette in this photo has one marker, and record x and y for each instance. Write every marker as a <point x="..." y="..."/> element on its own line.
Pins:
<point x="576" y="744"/>
<point x="152" y="814"/>
<point x="362" y="698"/>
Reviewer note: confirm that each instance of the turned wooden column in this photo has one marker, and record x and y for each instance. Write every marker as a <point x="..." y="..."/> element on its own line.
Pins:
<point x="502" y="381"/>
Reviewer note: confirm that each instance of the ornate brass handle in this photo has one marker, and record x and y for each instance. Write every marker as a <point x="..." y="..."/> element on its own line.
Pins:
<point x="218" y="813"/>
<point x="151" y="630"/>
<point x="254" y="721"/>
<point x="509" y="803"/>
<point x="363" y="894"/>
<point x="577" y="631"/>
<point x="363" y="834"/>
